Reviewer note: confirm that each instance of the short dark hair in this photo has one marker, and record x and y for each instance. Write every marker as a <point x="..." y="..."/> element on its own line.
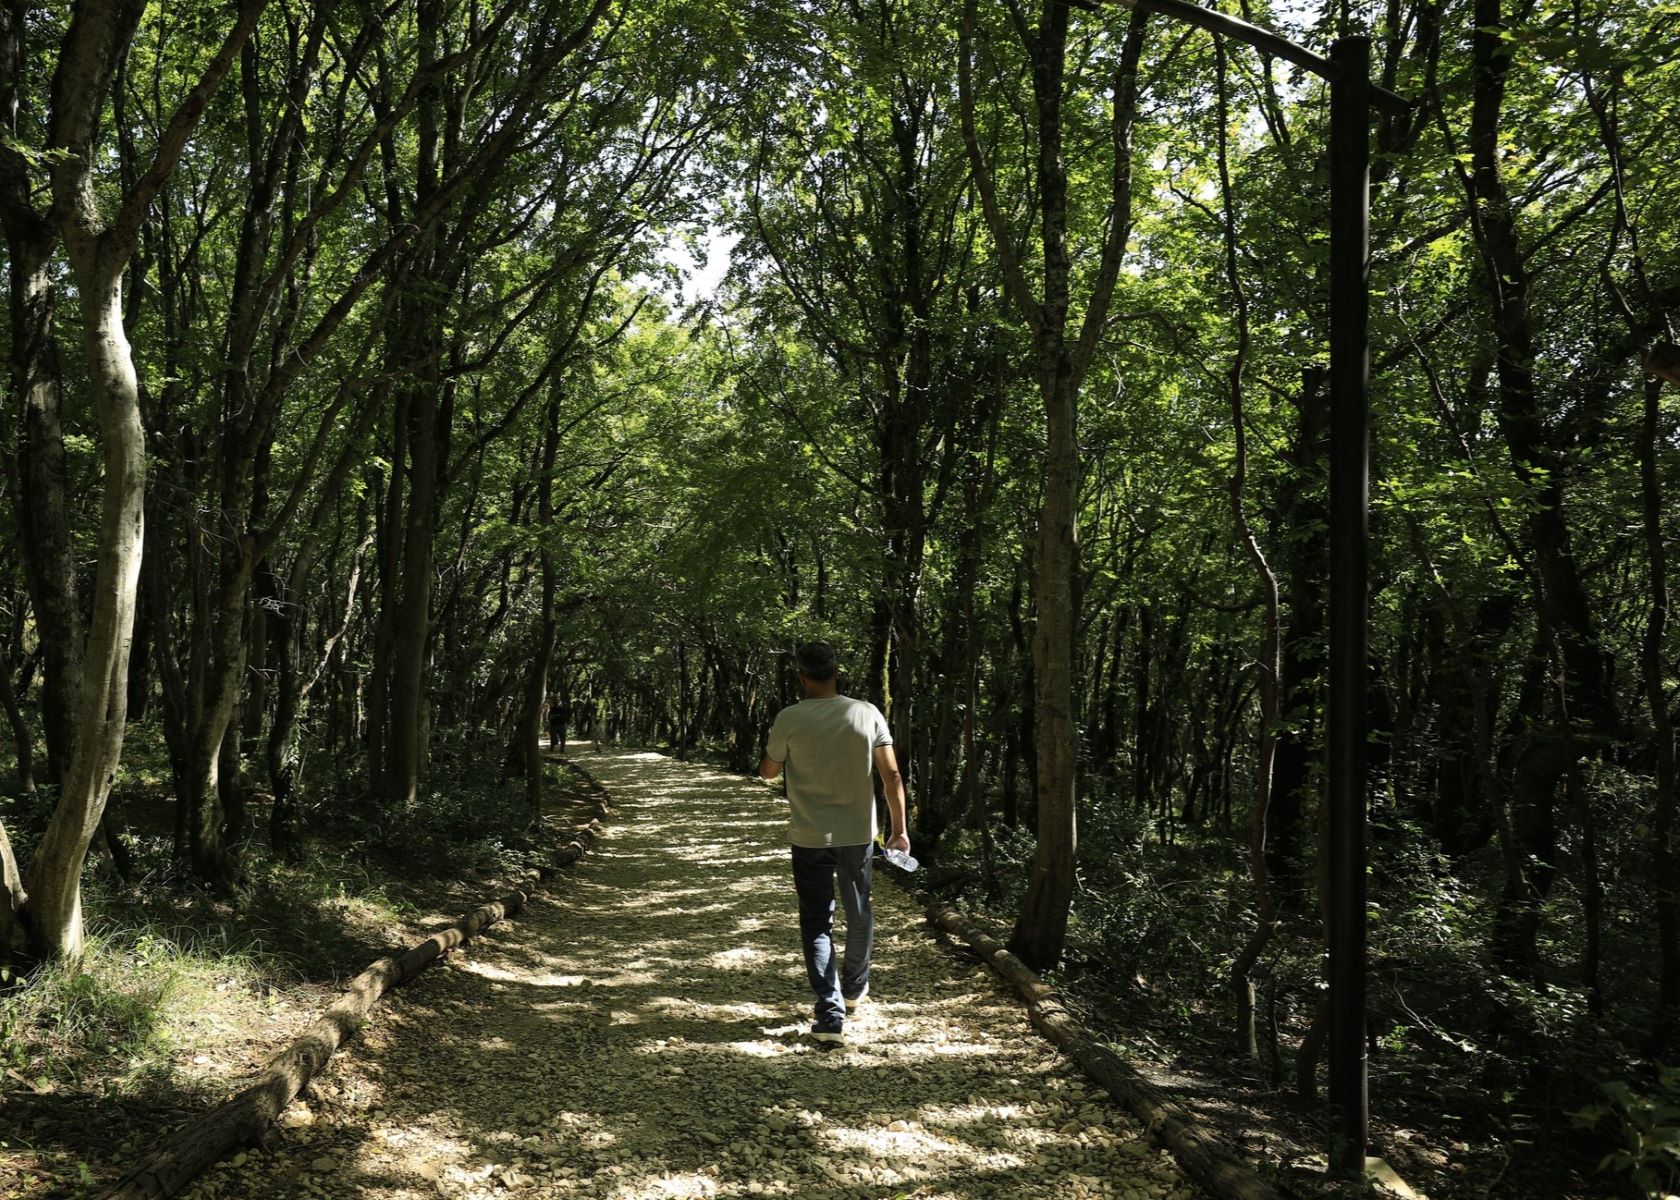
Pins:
<point x="815" y="661"/>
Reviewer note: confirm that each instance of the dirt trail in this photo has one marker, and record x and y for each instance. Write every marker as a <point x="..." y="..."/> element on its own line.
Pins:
<point x="637" y="1033"/>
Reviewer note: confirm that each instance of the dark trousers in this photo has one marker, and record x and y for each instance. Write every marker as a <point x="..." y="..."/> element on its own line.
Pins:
<point x="814" y="873"/>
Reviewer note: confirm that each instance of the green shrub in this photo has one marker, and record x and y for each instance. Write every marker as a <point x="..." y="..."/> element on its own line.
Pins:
<point x="1648" y="1126"/>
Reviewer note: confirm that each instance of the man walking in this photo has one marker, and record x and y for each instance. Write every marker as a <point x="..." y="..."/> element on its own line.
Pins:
<point x="559" y="714"/>
<point x="830" y="744"/>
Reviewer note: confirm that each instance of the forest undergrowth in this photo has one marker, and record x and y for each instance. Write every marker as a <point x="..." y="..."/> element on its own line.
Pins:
<point x="1492" y="1086"/>
<point x="182" y="994"/>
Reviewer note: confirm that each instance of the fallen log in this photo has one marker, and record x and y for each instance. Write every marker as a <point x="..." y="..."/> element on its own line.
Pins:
<point x="244" y="1118"/>
<point x="1204" y="1158"/>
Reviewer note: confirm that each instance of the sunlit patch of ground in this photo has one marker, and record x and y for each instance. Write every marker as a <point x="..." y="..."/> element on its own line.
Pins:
<point x="640" y="1034"/>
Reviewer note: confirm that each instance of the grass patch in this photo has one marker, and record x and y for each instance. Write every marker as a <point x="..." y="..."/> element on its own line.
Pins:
<point x="119" y="1012"/>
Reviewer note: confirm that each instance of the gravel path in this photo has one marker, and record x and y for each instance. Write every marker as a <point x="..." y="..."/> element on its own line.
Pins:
<point x="637" y="1033"/>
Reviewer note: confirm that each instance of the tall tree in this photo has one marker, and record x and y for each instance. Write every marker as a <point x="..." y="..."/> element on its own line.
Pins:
<point x="1062" y="358"/>
<point x="99" y="249"/>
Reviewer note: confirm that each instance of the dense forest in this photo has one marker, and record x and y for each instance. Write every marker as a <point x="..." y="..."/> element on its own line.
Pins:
<point x="361" y="409"/>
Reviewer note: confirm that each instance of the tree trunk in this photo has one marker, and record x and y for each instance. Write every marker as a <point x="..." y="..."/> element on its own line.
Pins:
<point x="1302" y="661"/>
<point x="43" y="495"/>
<point x="1560" y="598"/>
<point x="221" y="648"/>
<point x="387" y="523"/>
<point x="21" y="740"/>
<point x="1528" y="835"/>
<point x="1592" y="887"/>
<point x="55" y="873"/>
<point x="1242" y="968"/>
<point x="422" y="344"/>
<point x="39" y="486"/>
<point x="1062" y="357"/>
<point x="281" y="752"/>
<point x="413" y="624"/>
<point x="688" y="714"/>
<point x="1041" y="929"/>
<point x="291" y="652"/>
<point x="14" y="928"/>
<point x="536" y="689"/>
<point x="1665" y="861"/>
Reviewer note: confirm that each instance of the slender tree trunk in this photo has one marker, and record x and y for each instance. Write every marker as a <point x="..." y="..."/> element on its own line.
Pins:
<point x="283" y="752"/>
<point x="687" y="710"/>
<point x="536" y="689"/>
<point x="1302" y="661"/>
<point x="43" y="495"/>
<point x="1041" y="928"/>
<point x="176" y="718"/>
<point x="388" y="523"/>
<point x="1665" y="860"/>
<point x="14" y="926"/>
<point x="22" y="742"/>
<point x="222" y="652"/>
<point x="110" y="827"/>
<point x="41" y="485"/>
<point x="1265" y="749"/>
<point x="1561" y="602"/>
<point x="1592" y="887"/>
<point x="413" y="632"/>
<point x="1528" y="838"/>
<point x="1143" y="716"/>
<point x="230" y="787"/>
<point x="423" y="343"/>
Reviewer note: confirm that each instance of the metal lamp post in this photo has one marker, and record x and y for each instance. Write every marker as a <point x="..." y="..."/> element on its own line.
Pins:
<point x="1352" y="97"/>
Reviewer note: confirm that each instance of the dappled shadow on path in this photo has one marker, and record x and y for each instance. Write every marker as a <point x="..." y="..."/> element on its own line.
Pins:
<point x="639" y="1034"/>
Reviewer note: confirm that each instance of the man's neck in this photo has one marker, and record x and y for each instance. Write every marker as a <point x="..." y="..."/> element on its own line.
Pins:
<point x="822" y="691"/>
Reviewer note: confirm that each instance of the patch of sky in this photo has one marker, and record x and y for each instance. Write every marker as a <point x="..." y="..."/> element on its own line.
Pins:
<point x="700" y="260"/>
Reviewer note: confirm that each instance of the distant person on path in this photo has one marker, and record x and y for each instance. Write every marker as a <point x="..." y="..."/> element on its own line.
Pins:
<point x="559" y="712"/>
<point x="830" y="744"/>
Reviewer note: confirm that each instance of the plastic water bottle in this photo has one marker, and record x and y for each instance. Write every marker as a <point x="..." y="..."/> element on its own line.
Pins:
<point x="899" y="859"/>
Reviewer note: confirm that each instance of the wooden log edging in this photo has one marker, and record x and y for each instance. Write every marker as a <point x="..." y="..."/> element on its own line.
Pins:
<point x="245" y="1117"/>
<point x="1202" y="1155"/>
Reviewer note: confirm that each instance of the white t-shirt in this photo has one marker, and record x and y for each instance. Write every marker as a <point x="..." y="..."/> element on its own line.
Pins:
<point x="827" y="746"/>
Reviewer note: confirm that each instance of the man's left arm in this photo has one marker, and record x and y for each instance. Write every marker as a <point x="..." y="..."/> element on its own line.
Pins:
<point x="892" y="786"/>
<point x="769" y="768"/>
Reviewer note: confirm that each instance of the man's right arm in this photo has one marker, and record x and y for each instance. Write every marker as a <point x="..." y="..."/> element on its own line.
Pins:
<point x="775" y="751"/>
<point x="892" y="786"/>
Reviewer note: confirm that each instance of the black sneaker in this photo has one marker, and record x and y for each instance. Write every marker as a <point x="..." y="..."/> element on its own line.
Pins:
<point x="829" y="1035"/>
